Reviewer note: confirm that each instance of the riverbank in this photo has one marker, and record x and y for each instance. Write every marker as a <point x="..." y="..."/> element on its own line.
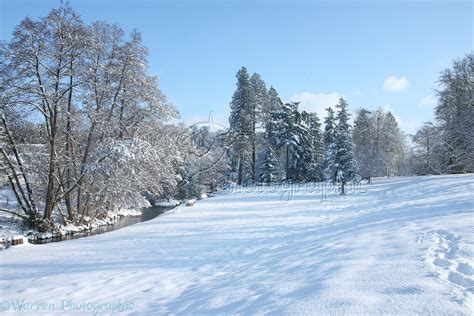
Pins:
<point x="10" y="226"/>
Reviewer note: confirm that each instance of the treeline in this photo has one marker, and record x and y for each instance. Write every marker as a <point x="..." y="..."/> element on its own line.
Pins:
<point x="447" y="145"/>
<point x="273" y="141"/>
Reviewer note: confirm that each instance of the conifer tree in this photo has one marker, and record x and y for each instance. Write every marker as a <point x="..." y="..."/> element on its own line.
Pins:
<point x="286" y="133"/>
<point x="241" y="121"/>
<point x="262" y="100"/>
<point x="315" y="157"/>
<point x="270" y="138"/>
<point x="260" y="111"/>
<point x="329" y="140"/>
<point x="345" y="166"/>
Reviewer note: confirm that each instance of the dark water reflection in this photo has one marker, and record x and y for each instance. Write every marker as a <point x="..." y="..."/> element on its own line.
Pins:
<point x="147" y="214"/>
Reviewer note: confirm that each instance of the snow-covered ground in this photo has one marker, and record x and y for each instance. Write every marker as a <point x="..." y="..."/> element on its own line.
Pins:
<point x="405" y="246"/>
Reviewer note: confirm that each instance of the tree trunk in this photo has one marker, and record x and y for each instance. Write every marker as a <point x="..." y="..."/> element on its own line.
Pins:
<point x="67" y="196"/>
<point x="253" y="162"/>
<point x="49" y="203"/>
<point x="239" y="180"/>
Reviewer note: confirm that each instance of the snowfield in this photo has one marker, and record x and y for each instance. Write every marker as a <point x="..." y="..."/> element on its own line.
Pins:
<point x="397" y="246"/>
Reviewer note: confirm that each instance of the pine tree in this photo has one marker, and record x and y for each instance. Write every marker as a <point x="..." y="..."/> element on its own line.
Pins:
<point x="241" y="121"/>
<point x="262" y="100"/>
<point x="260" y="110"/>
<point x="270" y="155"/>
<point x="307" y="156"/>
<point x="344" y="163"/>
<point x="316" y="156"/>
<point x="269" y="166"/>
<point x="287" y="135"/>
<point x="329" y="140"/>
<point x="301" y="149"/>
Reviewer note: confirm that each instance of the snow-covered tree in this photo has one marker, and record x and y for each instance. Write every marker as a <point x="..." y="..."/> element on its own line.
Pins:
<point x="270" y="154"/>
<point x="427" y="152"/>
<point x="88" y="92"/>
<point x="262" y="100"/>
<point x="301" y="150"/>
<point x="391" y="145"/>
<point x="315" y="154"/>
<point x="365" y="147"/>
<point x="380" y="146"/>
<point x="269" y="165"/>
<point x="242" y="131"/>
<point x="345" y="166"/>
<point x="455" y="114"/>
<point x="261" y="112"/>
<point x="288" y="132"/>
<point x="204" y="165"/>
<point x="329" y="141"/>
<point x="307" y="157"/>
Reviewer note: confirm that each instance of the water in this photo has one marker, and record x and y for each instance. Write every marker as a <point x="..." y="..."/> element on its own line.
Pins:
<point x="147" y="214"/>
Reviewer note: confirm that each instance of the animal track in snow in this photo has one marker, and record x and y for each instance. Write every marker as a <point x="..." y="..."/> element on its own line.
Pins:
<point x="448" y="262"/>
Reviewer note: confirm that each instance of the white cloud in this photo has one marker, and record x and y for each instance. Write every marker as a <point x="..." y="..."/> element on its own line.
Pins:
<point x="428" y="102"/>
<point x="316" y="102"/>
<point x="393" y="83"/>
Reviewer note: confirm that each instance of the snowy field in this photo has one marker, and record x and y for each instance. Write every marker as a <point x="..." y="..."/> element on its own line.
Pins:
<point x="405" y="246"/>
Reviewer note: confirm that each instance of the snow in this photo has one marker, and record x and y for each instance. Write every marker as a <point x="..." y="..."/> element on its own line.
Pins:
<point x="397" y="246"/>
<point x="167" y="202"/>
<point x="9" y="225"/>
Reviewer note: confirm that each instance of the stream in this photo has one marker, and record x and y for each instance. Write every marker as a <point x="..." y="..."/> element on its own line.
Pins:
<point x="147" y="214"/>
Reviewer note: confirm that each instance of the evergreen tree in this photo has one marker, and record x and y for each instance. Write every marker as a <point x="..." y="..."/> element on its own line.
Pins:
<point x="344" y="163"/>
<point x="301" y="151"/>
<point x="287" y="134"/>
<point x="241" y="130"/>
<point x="308" y="154"/>
<point x="269" y="166"/>
<point x="316" y="155"/>
<point x="329" y="140"/>
<point x="262" y="100"/>
<point x="259" y="111"/>
<point x="270" y="138"/>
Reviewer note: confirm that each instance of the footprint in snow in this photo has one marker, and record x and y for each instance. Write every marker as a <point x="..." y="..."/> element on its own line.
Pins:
<point x="447" y="262"/>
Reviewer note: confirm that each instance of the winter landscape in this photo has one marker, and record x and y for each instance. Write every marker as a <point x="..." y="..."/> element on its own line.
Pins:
<point x="146" y="179"/>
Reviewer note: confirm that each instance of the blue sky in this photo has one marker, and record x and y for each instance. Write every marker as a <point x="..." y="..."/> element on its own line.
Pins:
<point x="373" y="53"/>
